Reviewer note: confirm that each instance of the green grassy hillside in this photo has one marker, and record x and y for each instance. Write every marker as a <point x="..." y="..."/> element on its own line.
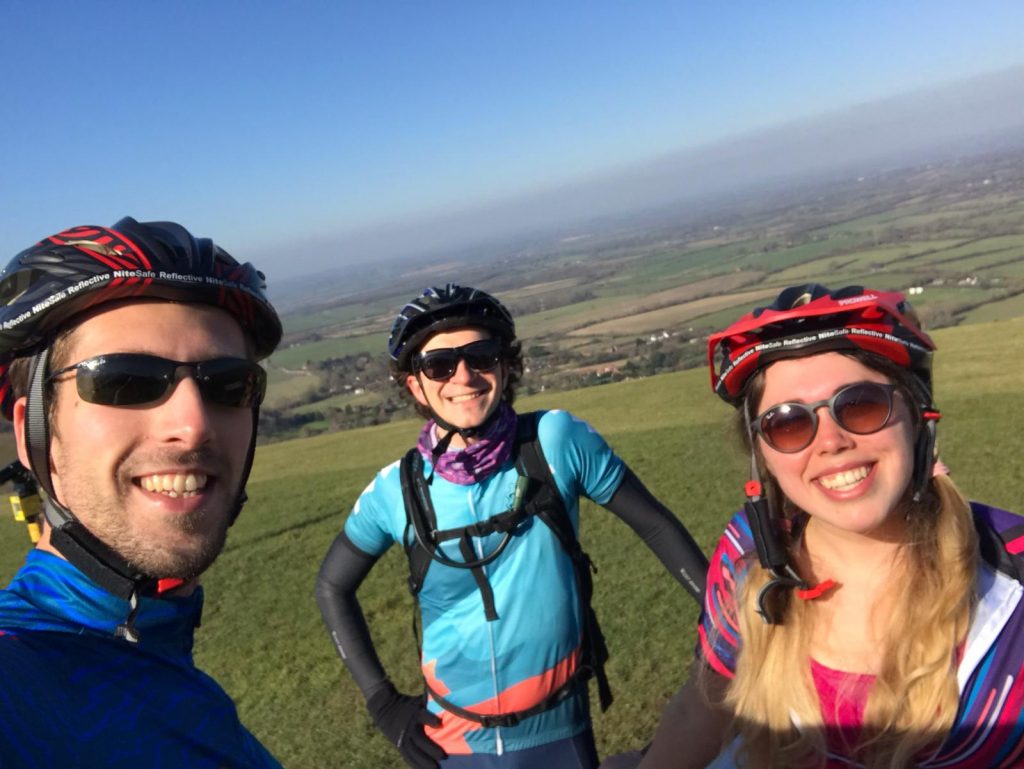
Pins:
<point x="262" y="636"/>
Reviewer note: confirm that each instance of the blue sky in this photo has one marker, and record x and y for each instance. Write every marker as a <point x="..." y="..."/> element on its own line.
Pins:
<point x="260" y="123"/>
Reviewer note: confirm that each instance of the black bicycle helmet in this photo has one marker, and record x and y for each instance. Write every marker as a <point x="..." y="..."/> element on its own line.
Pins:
<point x="438" y="309"/>
<point x="46" y="286"/>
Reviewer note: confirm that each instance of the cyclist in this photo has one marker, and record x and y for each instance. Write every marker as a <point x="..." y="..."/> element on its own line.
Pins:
<point x="487" y="508"/>
<point x="859" y="611"/>
<point x="129" y="369"/>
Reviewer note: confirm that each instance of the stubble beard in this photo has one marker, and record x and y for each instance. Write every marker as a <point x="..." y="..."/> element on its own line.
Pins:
<point x="198" y="536"/>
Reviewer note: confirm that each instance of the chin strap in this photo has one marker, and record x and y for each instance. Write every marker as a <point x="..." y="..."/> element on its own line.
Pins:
<point x="770" y="550"/>
<point x="924" y="451"/>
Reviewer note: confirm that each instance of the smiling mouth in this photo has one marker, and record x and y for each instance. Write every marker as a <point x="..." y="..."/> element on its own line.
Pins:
<point x="174" y="484"/>
<point x="846" y="480"/>
<point x="466" y="397"/>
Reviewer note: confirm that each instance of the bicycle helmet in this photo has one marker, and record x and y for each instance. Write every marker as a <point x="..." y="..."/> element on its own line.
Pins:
<point x="84" y="267"/>
<point x="808" y="319"/>
<point x="47" y="286"/>
<point x="438" y="309"/>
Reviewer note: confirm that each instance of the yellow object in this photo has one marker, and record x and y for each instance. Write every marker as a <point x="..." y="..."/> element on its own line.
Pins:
<point x="27" y="509"/>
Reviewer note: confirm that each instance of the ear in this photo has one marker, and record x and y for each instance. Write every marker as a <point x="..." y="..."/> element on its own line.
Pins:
<point x="416" y="390"/>
<point x="19" y="430"/>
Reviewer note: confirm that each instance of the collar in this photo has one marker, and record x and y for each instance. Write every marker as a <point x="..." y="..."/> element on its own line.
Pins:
<point x="52" y="595"/>
<point x="998" y="597"/>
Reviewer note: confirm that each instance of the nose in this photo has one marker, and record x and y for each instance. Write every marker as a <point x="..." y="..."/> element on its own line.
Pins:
<point x="184" y="417"/>
<point x="831" y="437"/>
<point x="462" y="373"/>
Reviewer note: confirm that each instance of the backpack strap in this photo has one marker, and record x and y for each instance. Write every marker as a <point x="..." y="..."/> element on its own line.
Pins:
<point x="423" y="546"/>
<point x="994" y="548"/>
<point x="547" y="504"/>
<point x="415" y="523"/>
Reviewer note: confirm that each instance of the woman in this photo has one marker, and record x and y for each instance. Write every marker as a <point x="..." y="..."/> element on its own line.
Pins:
<point x="851" y="617"/>
<point x="486" y="507"/>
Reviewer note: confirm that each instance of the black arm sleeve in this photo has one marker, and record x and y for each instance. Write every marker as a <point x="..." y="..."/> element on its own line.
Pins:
<point x="662" y="532"/>
<point x="343" y="570"/>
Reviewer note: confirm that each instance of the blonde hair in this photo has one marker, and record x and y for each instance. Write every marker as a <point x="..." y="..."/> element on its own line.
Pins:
<point x="915" y="697"/>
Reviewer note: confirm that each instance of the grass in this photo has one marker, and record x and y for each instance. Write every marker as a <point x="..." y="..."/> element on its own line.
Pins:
<point x="262" y="637"/>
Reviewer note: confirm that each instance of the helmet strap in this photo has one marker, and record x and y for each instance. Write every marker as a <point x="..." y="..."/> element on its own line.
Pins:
<point x="763" y="519"/>
<point x="924" y="451"/>
<point x="242" y="497"/>
<point x="67" y="534"/>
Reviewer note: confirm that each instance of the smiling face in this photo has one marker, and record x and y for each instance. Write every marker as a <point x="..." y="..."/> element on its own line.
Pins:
<point x="157" y="482"/>
<point x="846" y="482"/>
<point x="467" y="398"/>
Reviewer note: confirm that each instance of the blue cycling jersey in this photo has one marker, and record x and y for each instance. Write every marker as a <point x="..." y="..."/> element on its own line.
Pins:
<point x="75" y="695"/>
<point x="514" y="662"/>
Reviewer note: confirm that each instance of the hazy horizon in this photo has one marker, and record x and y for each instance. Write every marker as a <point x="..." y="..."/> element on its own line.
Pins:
<point x="963" y="118"/>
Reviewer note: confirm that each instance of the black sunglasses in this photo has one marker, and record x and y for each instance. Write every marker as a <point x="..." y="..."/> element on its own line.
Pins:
<point x="862" y="408"/>
<point x="482" y="355"/>
<point x="135" y="379"/>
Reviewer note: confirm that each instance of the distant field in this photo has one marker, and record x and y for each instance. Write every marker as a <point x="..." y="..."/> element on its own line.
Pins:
<point x="787" y="257"/>
<point x="287" y="388"/>
<point x="336" y="347"/>
<point x="670" y="317"/>
<point x="340" y="401"/>
<point x="1012" y="270"/>
<point x="857" y="261"/>
<point x="1002" y="310"/>
<point x="628" y="307"/>
<point x="973" y="249"/>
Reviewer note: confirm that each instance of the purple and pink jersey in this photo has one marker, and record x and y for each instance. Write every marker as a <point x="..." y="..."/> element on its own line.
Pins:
<point x="988" y="732"/>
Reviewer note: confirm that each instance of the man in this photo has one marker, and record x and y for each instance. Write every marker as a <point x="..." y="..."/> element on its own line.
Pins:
<point x="487" y="507"/>
<point x="129" y="369"/>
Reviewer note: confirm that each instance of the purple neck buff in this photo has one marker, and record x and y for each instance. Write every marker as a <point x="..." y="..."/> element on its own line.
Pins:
<point x="478" y="460"/>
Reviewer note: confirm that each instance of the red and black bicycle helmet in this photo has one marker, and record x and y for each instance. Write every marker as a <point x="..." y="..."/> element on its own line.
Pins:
<point x="438" y="309"/>
<point x="47" y="286"/>
<point x="81" y="268"/>
<point x="808" y="319"/>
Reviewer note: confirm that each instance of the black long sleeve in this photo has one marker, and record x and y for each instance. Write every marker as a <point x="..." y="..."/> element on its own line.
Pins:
<point x="343" y="570"/>
<point x="662" y="532"/>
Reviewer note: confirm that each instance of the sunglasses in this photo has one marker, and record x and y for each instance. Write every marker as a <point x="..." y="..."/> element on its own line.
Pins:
<point x="135" y="379"/>
<point x="861" y="408"/>
<point x="440" y="364"/>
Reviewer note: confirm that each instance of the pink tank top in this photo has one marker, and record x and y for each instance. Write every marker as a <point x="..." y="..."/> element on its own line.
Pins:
<point x="843" y="697"/>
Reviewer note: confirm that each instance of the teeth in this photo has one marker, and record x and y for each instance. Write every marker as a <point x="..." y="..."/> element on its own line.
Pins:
<point x="174" y="485"/>
<point x="461" y="398"/>
<point x="844" y="481"/>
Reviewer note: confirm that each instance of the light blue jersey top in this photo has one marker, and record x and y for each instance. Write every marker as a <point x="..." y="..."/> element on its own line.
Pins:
<point x="514" y="662"/>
